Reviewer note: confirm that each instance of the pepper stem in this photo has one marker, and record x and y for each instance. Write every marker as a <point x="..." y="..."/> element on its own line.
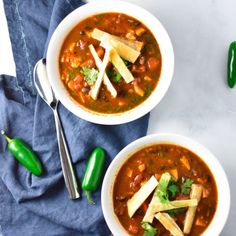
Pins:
<point x="89" y="198"/>
<point x="6" y="137"/>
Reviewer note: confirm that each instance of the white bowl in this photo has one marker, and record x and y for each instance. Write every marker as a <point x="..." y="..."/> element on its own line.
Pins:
<point x="97" y="7"/>
<point x="223" y="206"/>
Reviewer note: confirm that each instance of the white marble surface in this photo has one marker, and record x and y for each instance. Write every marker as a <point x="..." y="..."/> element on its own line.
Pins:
<point x="198" y="103"/>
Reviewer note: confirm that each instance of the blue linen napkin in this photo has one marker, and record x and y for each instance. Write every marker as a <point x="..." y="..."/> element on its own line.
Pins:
<point x="32" y="205"/>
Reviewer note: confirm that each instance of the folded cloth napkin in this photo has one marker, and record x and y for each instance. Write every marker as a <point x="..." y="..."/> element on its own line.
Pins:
<point x="32" y="205"/>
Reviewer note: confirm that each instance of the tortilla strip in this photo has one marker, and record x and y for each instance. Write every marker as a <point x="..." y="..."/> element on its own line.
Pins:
<point x="119" y="64"/>
<point x="139" y="197"/>
<point x="122" y="49"/>
<point x="169" y="224"/>
<point x="174" y="205"/>
<point x="99" y="34"/>
<point x="149" y="216"/>
<point x="196" y="192"/>
<point x="106" y="80"/>
<point x="95" y="89"/>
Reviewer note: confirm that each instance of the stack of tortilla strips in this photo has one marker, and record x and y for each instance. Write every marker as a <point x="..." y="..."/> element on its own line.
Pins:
<point x="116" y="48"/>
<point x="157" y="210"/>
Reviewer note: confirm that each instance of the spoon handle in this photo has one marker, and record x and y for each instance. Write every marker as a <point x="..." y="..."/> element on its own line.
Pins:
<point x="68" y="172"/>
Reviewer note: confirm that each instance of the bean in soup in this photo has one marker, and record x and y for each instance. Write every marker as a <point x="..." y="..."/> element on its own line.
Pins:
<point x="131" y="72"/>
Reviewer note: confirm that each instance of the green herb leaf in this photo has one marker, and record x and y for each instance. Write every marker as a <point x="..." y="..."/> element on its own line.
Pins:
<point x="175" y="212"/>
<point x="165" y="189"/>
<point x="127" y="63"/>
<point x="90" y="75"/>
<point x="148" y="91"/>
<point x="100" y="17"/>
<point x="116" y="77"/>
<point x="162" y="191"/>
<point x="71" y="75"/>
<point x="173" y="189"/>
<point x="148" y="229"/>
<point x="163" y="196"/>
<point x="186" y="186"/>
<point x="93" y="106"/>
<point x="77" y="69"/>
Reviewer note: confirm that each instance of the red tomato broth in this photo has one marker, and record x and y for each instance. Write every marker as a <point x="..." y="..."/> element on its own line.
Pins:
<point x="159" y="159"/>
<point x="75" y="54"/>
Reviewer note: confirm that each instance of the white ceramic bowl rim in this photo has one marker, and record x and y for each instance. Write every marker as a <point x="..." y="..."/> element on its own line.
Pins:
<point x="93" y="8"/>
<point x="223" y="206"/>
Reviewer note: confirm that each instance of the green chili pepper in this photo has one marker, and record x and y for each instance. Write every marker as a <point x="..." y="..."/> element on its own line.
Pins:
<point x="24" y="154"/>
<point x="93" y="173"/>
<point x="232" y="65"/>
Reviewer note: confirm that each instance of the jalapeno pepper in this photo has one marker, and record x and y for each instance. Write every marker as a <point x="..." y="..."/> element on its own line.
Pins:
<point x="232" y="65"/>
<point x="93" y="173"/>
<point x="24" y="154"/>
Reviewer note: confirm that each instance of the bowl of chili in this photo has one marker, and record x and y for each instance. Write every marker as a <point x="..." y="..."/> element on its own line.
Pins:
<point x="165" y="184"/>
<point x="110" y="62"/>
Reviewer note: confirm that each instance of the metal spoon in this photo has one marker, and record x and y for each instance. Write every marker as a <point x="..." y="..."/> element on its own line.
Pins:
<point x="46" y="93"/>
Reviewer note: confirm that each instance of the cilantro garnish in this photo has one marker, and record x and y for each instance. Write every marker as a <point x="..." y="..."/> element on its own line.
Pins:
<point x="77" y="69"/>
<point x="186" y="186"/>
<point x="90" y="75"/>
<point x="148" y="91"/>
<point x="173" y="190"/>
<point x="114" y="75"/>
<point x="148" y="229"/>
<point x="167" y="189"/>
<point x="71" y="75"/>
<point x="175" y="212"/>
<point x="162" y="191"/>
<point x="127" y="63"/>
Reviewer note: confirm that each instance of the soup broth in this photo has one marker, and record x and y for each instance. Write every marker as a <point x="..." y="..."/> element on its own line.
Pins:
<point x="185" y="168"/>
<point x="79" y="71"/>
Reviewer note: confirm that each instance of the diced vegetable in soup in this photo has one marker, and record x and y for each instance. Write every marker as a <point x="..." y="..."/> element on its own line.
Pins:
<point x="165" y="190"/>
<point x="110" y="63"/>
